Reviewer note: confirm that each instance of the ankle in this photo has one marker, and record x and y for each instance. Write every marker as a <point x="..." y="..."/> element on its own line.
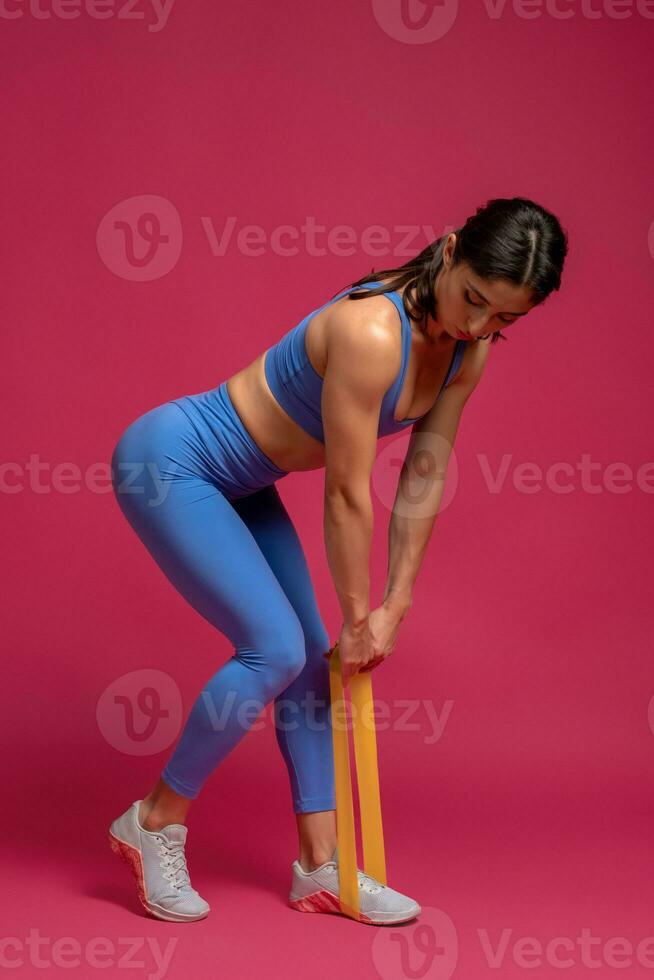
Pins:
<point x="152" y="818"/>
<point x="311" y="860"/>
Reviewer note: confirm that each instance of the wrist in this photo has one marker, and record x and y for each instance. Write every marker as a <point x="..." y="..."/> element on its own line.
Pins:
<point x="356" y="627"/>
<point x="397" y="603"/>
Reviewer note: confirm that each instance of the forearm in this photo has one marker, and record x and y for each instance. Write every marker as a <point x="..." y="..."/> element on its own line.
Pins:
<point x="409" y="532"/>
<point x="421" y="484"/>
<point x="407" y="543"/>
<point x="348" y="527"/>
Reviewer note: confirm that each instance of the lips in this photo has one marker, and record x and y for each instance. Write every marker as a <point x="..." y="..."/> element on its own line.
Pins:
<point x="462" y="336"/>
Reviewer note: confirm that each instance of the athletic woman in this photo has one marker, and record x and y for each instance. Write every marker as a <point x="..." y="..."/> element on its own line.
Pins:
<point x="195" y="477"/>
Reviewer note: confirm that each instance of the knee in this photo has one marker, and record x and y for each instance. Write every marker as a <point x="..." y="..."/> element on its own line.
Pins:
<point x="284" y="653"/>
<point x="313" y="666"/>
<point x="292" y="656"/>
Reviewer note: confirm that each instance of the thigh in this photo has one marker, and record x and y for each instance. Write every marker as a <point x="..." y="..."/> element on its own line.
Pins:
<point x="196" y="536"/>
<point x="272" y="528"/>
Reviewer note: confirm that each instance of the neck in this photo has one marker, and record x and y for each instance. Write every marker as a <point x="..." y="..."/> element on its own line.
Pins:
<point x="435" y="333"/>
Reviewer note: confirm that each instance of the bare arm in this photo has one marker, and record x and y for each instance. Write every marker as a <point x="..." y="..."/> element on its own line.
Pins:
<point x="421" y="482"/>
<point x="362" y="360"/>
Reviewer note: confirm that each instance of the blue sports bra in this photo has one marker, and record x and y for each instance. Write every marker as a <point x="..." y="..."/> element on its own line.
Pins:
<point x="297" y="386"/>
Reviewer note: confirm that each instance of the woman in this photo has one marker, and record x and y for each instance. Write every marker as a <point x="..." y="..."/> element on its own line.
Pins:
<point x="195" y="477"/>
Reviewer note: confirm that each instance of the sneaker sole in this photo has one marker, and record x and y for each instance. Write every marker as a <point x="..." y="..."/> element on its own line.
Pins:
<point x="324" y="901"/>
<point x="132" y="858"/>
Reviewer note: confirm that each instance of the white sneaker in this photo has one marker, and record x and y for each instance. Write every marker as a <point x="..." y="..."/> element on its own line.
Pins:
<point x="318" y="891"/>
<point x="157" y="860"/>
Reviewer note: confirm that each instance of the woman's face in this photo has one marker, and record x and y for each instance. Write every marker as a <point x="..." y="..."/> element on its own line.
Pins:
<point x="471" y="306"/>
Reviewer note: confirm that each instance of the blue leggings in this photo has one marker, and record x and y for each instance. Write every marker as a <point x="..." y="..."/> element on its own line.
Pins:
<point x="201" y="496"/>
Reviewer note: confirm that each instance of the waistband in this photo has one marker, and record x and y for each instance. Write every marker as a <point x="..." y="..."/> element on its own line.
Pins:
<point x="238" y="465"/>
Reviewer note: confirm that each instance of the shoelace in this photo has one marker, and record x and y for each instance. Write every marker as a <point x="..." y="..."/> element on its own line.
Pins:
<point x="366" y="881"/>
<point x="175" y="860"/>
<point x="372" y="884"/>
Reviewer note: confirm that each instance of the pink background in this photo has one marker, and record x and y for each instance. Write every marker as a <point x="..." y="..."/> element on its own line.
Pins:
<point x="532" y="814"/>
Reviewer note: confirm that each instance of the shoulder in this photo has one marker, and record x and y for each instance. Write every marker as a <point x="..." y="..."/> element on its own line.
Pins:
<point x="364" y="335"/>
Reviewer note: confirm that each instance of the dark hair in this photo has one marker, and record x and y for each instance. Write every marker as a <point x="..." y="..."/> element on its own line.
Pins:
<point x="507" y="238"/>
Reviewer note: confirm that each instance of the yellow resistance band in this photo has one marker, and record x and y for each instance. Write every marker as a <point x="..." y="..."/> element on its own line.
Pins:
<point x="365" y="752"/>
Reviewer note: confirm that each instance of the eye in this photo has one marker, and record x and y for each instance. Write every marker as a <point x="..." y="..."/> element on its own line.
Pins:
<point x="468" y="299"/>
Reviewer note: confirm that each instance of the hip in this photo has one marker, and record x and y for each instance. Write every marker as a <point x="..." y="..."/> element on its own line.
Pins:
<point x="199" y="436"/>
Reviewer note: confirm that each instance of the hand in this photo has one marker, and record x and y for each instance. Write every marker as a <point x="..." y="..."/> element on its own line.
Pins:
<point x="355" y="650"/>
<point x="384" y="624"/>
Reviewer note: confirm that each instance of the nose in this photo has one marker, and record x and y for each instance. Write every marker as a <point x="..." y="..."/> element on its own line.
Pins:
<point x="477" y="327"/>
